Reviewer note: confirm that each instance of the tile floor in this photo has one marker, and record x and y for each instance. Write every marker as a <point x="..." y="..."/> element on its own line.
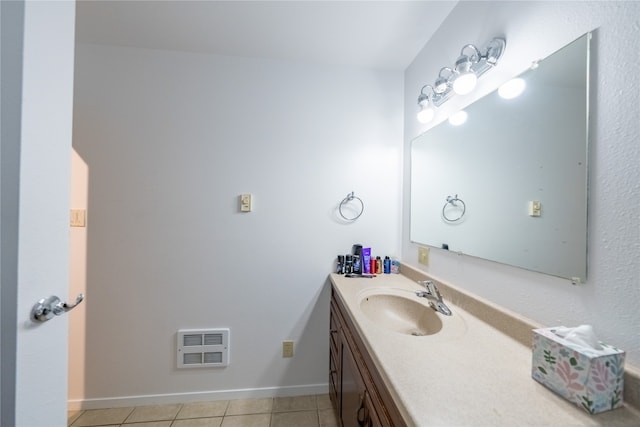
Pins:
<point x="300" y="411"/>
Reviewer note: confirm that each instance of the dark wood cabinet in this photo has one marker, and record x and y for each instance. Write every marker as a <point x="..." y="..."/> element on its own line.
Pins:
<point x="355" y="386"/>
<point x="357" y="408"/>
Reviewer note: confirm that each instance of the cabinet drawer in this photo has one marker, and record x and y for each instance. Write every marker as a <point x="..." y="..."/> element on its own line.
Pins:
<point x="333" y="365"/>
<point x="333" y="346"/>
<point x="334" y="326"/>
<point x="333" y="374"/>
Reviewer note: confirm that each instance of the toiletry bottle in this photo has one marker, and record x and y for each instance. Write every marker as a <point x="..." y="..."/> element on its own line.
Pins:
<point x="340" y="265"/>
<point x="387" y="265"/>
<point x="366" y="260"/>
<point x="378" y="265"/>
<point x="357" y="264"/>
<point x="356" y="250"/>
<point x="372" y="267"/>
<point x="357" y="258"/>
<point x="395" y="266"/>
<point x="348" y="264"/>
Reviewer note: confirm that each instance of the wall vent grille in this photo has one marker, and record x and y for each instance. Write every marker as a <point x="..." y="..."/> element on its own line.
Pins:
<point x="203" y="348"/>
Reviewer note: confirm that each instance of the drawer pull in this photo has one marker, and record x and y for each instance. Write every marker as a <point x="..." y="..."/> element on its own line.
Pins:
<point x="361" y="414"/>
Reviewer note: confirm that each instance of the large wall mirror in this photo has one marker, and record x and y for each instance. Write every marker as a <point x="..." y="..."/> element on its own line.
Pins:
<point x="510" y="184"/>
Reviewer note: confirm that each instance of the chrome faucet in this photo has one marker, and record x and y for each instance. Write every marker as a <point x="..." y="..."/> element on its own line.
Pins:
<point x="432" y="294"/>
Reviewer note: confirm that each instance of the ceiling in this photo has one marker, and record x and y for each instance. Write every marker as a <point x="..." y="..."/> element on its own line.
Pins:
<point x="375" y="34"/>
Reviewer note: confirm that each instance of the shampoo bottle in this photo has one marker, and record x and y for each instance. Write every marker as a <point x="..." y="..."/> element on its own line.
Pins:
<point x="357" y="259"/>
<point x="387" y="265"/>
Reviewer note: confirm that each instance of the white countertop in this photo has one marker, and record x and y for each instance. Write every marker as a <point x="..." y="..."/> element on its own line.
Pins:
<point x="469" y="374"/>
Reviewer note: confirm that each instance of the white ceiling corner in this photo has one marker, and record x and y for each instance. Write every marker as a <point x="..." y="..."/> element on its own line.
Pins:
<point x="373" y="34"/>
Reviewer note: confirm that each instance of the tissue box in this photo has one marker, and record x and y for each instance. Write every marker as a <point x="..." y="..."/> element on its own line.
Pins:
<point x="592" y="379"/>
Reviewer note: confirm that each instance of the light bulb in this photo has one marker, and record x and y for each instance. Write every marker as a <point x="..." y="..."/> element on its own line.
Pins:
<point x="464" y="83"/>
<point x="512" y="89"/>
<point x="458" y="118"/>
<point x="426" y="114"/>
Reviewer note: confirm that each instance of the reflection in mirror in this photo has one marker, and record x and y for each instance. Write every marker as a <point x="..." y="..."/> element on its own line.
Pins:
<point x="510" y="183"/>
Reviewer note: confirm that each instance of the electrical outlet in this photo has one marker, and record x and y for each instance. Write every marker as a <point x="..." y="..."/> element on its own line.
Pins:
<point x="423" y="255"/>
<point x="287" y="348"/>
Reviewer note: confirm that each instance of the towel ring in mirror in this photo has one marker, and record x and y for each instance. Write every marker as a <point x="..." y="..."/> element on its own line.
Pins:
<point x="456" y="203"/>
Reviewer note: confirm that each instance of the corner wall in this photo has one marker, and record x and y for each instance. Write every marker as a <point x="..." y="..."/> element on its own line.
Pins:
<point x="170" y="141"/>
<point x="609" y="299"/>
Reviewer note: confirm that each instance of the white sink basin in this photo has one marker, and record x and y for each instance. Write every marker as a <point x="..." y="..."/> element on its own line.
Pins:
<point x="401" y="311"/>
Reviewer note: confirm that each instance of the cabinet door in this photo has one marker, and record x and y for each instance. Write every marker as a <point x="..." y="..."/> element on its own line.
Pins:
<point x="354" y="411"/>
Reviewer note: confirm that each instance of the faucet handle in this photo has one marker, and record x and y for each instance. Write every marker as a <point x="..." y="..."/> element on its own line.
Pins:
<point x="434" y="290"/>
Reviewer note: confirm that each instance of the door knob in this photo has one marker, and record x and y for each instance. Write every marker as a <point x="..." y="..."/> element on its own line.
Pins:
<point x="46" y="308"/>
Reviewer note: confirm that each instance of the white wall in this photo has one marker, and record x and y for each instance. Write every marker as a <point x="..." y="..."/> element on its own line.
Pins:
<point x="170" y="140"/>
<point x="609" y="299"/>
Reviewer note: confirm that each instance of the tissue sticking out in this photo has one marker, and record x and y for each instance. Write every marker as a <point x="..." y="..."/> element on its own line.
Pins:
<point x="581" y="336"/>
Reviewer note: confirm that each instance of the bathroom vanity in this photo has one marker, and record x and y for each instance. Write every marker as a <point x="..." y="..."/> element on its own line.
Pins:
<point x="355" y="386"/>
<point x="396" y="362"/>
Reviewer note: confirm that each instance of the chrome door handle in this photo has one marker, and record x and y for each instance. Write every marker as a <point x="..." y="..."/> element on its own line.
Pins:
<point x="46" y="308"/>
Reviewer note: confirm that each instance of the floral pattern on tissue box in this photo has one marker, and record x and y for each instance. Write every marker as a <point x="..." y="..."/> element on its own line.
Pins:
<point x="592" y="379"/>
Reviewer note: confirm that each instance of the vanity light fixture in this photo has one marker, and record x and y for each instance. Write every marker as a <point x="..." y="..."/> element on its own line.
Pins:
<point x="462" y="78"/>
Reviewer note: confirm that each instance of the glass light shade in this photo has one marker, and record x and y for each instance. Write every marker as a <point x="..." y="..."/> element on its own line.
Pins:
<point x="458" y="118"/>
<point x="426" y="113"/>
<point x="512" y="89"/>
<point x="464" y="83"/>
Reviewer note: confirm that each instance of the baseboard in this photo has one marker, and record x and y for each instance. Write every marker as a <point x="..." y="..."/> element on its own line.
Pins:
<point x="162" y="399"/>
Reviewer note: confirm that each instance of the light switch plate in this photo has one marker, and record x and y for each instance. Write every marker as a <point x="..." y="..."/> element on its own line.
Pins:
<point x="423" y="255"/>
<point x="245" y="202"/>
<point x="78" y="218"/>
<point x="287" y="348"/>
<point x="535" y="208"/>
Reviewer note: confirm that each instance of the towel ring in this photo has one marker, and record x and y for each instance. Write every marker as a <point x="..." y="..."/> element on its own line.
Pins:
<point x="351" y="197"/>
<point x="452" y="201"/>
